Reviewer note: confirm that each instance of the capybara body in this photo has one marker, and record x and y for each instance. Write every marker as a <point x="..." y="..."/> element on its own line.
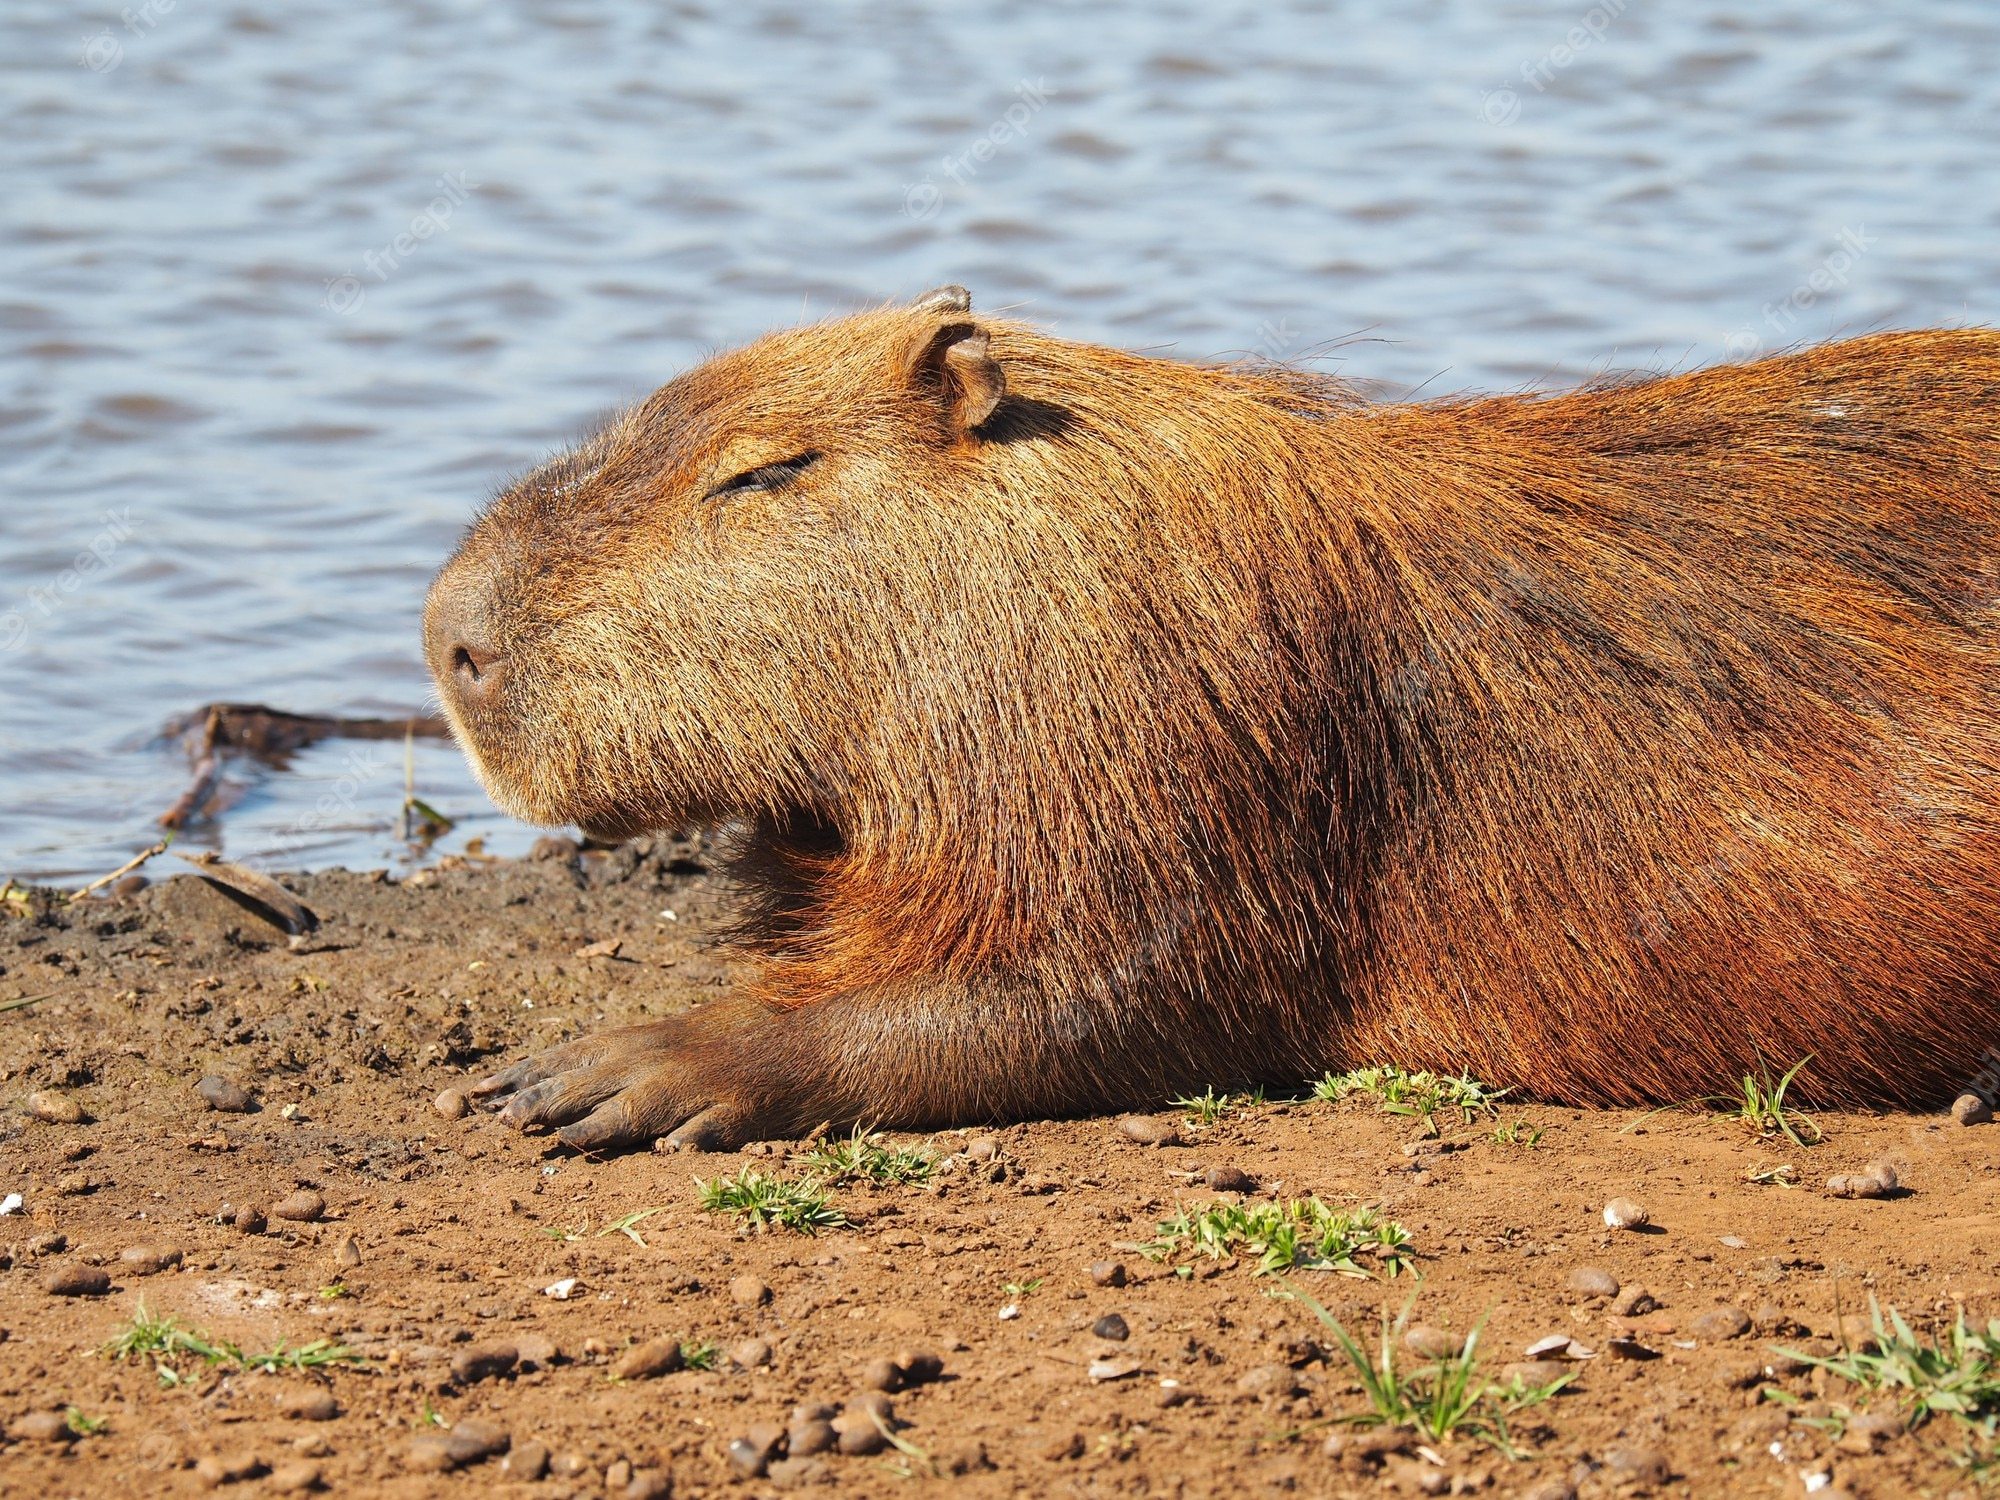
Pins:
<point x="1091" y="728"/>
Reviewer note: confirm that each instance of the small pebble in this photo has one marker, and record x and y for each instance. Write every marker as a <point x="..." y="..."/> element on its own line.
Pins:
<point x="1427" y="1342"/>
<point x="919" y="1366"/>
<point x="52" y="1243"/>
<point x="1721" y="1323"/>
<point x="148" y="1260"/>
<point x="650" y="1484"/>
<point x="1871" y="1431"/>
<point x="309" y="1404"/>
<point x="803" y="1439"/>
<point x="1593" y="1281"/>
<point x="40" y="1427"/>
<point x="1970" y="1109"/>
<point x="214" y="1469"/>
<point x="873" y="1401"/>
<point x="303" y="1207"/>
<point x="1857" y="1332"/>
<point x="1274" y="1380"/>
<point x="1107" y="1273"/>
<point x="618" y="1474"/>
<point x="982" y="1148"/>
<point x="225" y="1095"/>
<point x="294" y="1478"/>
<point x="1147" y="1130"/>
<point x="1112" y="1326"/>
<point x="1120" y="1368"/>
<point x="644" y="1361"/>
<point x="1624" y="1346"/>
<point x="751" y="1354"/>
<point x="77" y="1281"/>
<point x="881" y="1375"/>
<point x="1230" y="1180"/>
<point x="56" y="1108"/>
<point x="467" y="1443"/>
<point x="526" y="1462"/>
<point x="347" y="1254"/>
<point x="538" y="1351"/>
<point x="750" y="1453"/>
<point x="483" y="1362"/>
<point x="1623" y="1213"/>
<point x="1644" y="1468"/>
<point x="856" y="1434"/>
<point x="748" y="1291"/>
<point x="451" y="1104"/>
<point x="1633" y="1302"/>
<point x="568" y="1465"/>
<point x="129" y="885"/>
<point x="249" y="1219"/>
<point x="554" y="847"/>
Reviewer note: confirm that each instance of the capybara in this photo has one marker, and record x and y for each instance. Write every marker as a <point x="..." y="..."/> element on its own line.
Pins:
<point x="1090" y="728"/>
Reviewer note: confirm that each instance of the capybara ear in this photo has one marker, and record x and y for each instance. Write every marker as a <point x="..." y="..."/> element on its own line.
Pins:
<point x="954" y="366"/>
<point x="944" y="299"/>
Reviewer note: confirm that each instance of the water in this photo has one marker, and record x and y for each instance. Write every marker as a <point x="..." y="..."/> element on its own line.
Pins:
<point x="219" y="370"/>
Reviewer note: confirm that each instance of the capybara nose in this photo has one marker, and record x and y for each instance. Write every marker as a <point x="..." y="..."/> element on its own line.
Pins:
<point x="475" y="671"/>
<point x="464" y="657"/>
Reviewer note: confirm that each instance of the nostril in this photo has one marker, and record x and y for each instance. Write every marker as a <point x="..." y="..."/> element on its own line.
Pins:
<point x="471" y="665"/>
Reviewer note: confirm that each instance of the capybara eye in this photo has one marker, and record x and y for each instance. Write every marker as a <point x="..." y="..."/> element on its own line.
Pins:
<point x="766" y="476"/>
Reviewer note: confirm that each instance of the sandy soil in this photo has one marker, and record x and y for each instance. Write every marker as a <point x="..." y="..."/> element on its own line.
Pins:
<point x="439" y="1236"/>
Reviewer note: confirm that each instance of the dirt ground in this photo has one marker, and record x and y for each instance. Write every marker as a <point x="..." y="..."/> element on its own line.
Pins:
<point x="440" y="1235"/>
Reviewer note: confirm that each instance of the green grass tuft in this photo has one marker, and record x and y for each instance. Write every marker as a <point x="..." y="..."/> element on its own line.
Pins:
<point x="1422" y="1096"/>
<point x="1208" y="1106"/>
<point x="801" y="1204"/>
<point x="1958" y="1377"/>
<point x="867" y="1158"/>
<point x="1304" y="1234"/>
<point x="1442" y="1398"/>
<point x="169" y="1344"/>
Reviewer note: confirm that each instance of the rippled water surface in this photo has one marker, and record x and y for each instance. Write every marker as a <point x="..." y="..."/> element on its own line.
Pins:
<point x="262" y="422"/>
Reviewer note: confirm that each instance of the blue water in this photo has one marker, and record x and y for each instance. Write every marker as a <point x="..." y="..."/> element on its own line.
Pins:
<point x="220" y="372"/>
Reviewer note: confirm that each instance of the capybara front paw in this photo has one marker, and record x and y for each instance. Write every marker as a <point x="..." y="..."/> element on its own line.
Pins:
<point x="621" y="1088"/>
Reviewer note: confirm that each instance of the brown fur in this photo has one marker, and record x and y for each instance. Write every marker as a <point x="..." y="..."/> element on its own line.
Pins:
<point x="1180" y="725"/>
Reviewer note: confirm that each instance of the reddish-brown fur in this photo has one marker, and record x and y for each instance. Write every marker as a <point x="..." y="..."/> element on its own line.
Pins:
<point x="1167" y="725"/>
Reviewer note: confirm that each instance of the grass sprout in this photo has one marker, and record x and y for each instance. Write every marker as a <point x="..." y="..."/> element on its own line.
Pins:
<point x="862" y="1157"/>
<point x="169" y="1344"/>
<point x="801" y="1204"/>
<point x="1441" y="1399"/>
<point x="1304" y="1234"/>
<point x="1421" y="1095"/>
<point x="1958" y="1377"/>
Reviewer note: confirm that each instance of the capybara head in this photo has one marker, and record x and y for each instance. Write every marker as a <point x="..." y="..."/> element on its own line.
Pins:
<point x="813" y="578"/>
